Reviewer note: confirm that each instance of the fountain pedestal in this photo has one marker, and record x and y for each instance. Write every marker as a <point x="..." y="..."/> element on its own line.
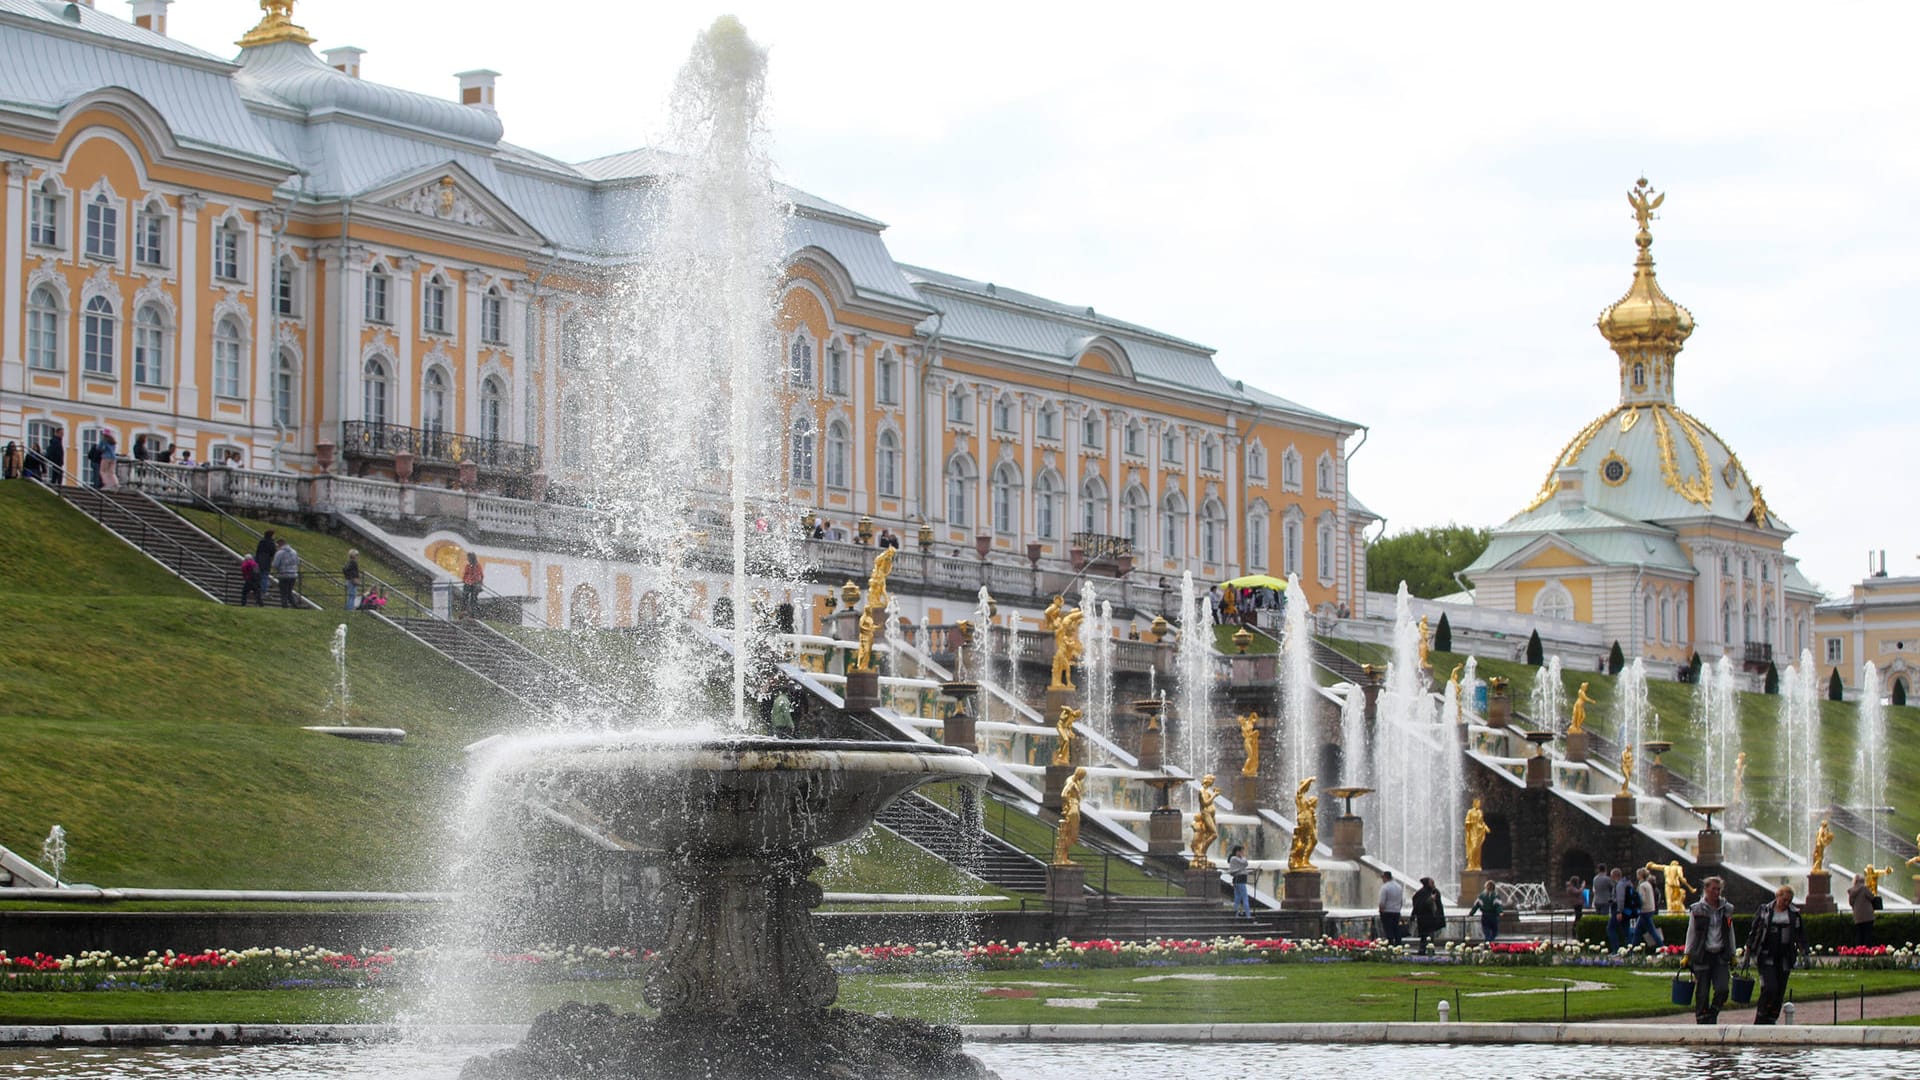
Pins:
<point x="1202" y="883"/>
<point x="1577" y="746"/>
<point x="1349" y="837"/>
<point x="1708" y="847"/>
<point x="1164" y="837"/>
<point x="1246" y="793"/>
<point x="1370" y="692"/>
<point x="958" y="728"/>
<point x="1916" y="888"/>
<point x="863" y="690"/>
<point x="844" y="626"/>
<point x="1499" y="704"/>
<point x="1471" y="882"/>
<point x="1153" y="736"/>
<point x="1819" y="894"/>
<point x="1659" y="781"/>
<point x="1067" y="885"/>
<point x="1301" y="891"/>
<point x="1539" y="772"/>
<point x="1625" y="810"/>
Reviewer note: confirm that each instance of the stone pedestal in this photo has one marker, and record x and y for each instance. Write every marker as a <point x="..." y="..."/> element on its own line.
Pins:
<point x="1067" y="885"/>
<point x="1302" y="891"/>
<point x="844" y="626"/>
<point x="1163" y="833"/>
<point x="1577" y="747"/>
<point x="1659" y="780"/>
<point x="1203" y="884"/>
<point x="1707" y="849"/>
<point x="403" y="466"/>
<point x="1539" y="772"/>
<point x="1349" y="837"/>
<point x="324" y="453"/>
<point x="1370" y="699"/>
<point x="863" y="690"/>
<point x="1127" y="729"/>
<point x="958" y="728"/>
<point x="1152" y="753"/>
<point x="1625" y="810"/>
<point x="1246" y="793"/>
<point x="1499" y="709"/>
<point x="1819" y="894"/>
<point x="1471" y="882"/>
<point x="469" y="475"/>
<point x="1057" y="777"/>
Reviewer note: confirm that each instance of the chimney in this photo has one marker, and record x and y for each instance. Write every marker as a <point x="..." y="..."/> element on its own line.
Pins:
<point x="476" y="88"/>
<point x="346" y="59"/>
<point x="151" y="15"/>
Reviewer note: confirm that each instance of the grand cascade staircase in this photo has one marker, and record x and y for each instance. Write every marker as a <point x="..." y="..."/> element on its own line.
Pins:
<point x="940" y="832"/>
<point x="167" y="538"/>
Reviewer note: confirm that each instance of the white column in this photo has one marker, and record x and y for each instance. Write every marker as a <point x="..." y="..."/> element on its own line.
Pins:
<point x="470" y="337"/>
<point x="13" y="372"/>
<point x="1116" y="477"/>
<point x="1029" y="431"/>
<point x="403" y="323"/>
<point x="266" y="311"/>
<point x="186" y="392"/>
<point x="853" y="372"/>
<point x="1191" y="441"/>
<point x="352" y="329"/>
<point x="986" y="454"/>
<point x="1150" y="545"/>
<point x="1740" y="606"/>
<point x="1071" y="413"/>
<point x="513" y="426"/>
<point x="1229" y="468"/>
<point x="907" y="393"/>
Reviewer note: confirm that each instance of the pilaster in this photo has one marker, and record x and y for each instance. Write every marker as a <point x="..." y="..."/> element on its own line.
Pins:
<point x="472" y="278"/>
<point x="404" y="318"/>
<point x="186" y="395"/>
<point x="266" y="313"/>
<point x="13" y="226"/>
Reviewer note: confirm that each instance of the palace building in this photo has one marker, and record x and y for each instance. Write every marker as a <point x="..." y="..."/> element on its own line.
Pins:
<point x="1647" y="525"/>
<point x="273" y="257"/>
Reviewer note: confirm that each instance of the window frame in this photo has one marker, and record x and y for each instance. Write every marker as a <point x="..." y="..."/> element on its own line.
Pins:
<point x="376" y="387"/>
<point x="1046" y="506"/>
<point x="886" y="465"/>
<point x="802" y="463"/>
<point x="150" y="236"/>
<point x="493" y="319"/>
<point x="377" y="303"/>
<point x="1005" y="501"/>
<point x="229" y="360"/>
<point x="436" y="398"/>
<point x="958" y="481"/>
<point x="99" y="338"/>
<point x="226" y="257"/>
<point x="286" y="294"/>
<point x="101" y="230"/>
<point x="44" y="211"/>
<point x="44" y="326"/>
<point x="493" y="408"/>
<point x="839" y="451"/>
<point x="886" y="381"/>
<point x="800" y="362"/>
<point x="435" y="301"/>
<point x="149" y="346"/>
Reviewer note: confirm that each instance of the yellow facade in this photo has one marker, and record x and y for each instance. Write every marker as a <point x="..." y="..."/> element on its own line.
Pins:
<point x="1878" y="623"/>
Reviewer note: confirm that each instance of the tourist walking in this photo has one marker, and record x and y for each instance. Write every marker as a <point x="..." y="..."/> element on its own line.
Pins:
<point x="1649" y="902"/>
<point x="1860" y="899"/>
<point x="471" y="580"/>
<point x="250" y="582"/>
<point x="263" y="553"/>
<point x="10" y="462"/>
<point x="1392" y="899"/>
<point x="1487" y="905"/>
<point x="1776" y="943"/>
<point x="55" y="452"/>
<point x="1238" y="869"/>
<point x="1603" y="906"/>
<point x="1709" y="951"/>
<point x="1576" y="896"/>
<point x="350" y="573"/>
<point x="286" y="569"/>
<point x="1429" y="913"/>
<point x="109" y="448"/>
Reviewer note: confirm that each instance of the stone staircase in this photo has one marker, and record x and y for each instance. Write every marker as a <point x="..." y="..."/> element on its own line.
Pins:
<point x="940" y="831"/>
<point x="167" y="538"/>
<point x="1167" y="917"/>
<point x="505" y="662"/>
<point x="1339" y="663"/>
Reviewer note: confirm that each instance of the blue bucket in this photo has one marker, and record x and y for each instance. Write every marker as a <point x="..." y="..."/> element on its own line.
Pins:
<point x="1682" y="991"/>
<point x="1742" y="989"/>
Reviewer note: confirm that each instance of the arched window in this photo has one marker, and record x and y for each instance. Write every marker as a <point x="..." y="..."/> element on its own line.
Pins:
<point x="99" y="330"/>
<point x="286" y="296"/>
<point x="493" y="408"/>
<point x="103" y="228"/>
<point x="1323" y="476"/>
<point x="1210" y="455"/>
<point x="227" y="251"/>
<point x="493" y="316"/>
<point x="960" y="479"/>
<point x="43" y="329"/>
<point x="43" y="227"/>
<point x="800" y="362"/>
<point x="1006" y="499"/>
<point x="373" y="396"/>
<point x="227" y="366"/>
<point x="1648" y="614"/>
<point x="1291" y="535"/>
<point x="1090" y="434"/>
<point x="1681" y="631"/>
<point x="1093" y="505"/>
<point x="1257" y="463"/>
<point x="1257" y="540"/>
<point x="378" y="291"/>
<point x="1290" y="469"/>
<point x="1639" y="376"/>
<point x="1135" y="439"/>
<point x="1766" y="624"/>
<point x="1666" y="619"/>
<point x="149" y="346"/>
<point x="285" y="382"/>
<point x="1553" y="601"/>
<point x="1046" y="505"/>
<point x="959" y="402"/>
<point x="433" y="400"/>
<point x="433" y="305"/>
<point x="886" y="380"/>
<point x="1173" y="524"/>
<point x="1046" y="422"/>
<point x="1170" y="443"/>
<point x="836" y="369"/>
<point x="150" y="234"/>
<point x="1323" y="549"/>
<point x="886" y="465"/>
<point x="1726" y="621"/>
<point x="800" y="452"/>
<point x="837" y="454"/>
<point x="1135" y="517"/>
<point x="1213" y="546"/>
<point x="1003" y="414"/>
<point x="1746" y="621"/>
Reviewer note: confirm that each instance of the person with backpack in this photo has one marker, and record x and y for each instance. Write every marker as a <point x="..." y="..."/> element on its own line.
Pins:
<point x="250" y="582"/>
<point x="350" y="573"/>
<point x="1238" y="868"/>
<point x="472" y="579"/>
<point x="1776" y="941"/>
<point x="1709" y="952"/>
<point x="55" y="454"/>
<point x="1429" y="913"/>
<point x="263" y="557"/>
<point x="286" y="568"/>
<point x="1488" y="906"/>
<point x="1646" y="903"/>
<point x="1602" y="901"/>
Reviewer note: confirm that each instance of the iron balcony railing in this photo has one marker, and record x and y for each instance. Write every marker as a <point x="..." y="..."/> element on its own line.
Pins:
<point x="436" y="446"/>
<point x="1759" y="653"/>
<point x="1099" y="547"/>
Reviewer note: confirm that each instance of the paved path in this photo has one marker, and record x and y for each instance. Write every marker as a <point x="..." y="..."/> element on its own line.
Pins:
<point x="1815" y="1010"/>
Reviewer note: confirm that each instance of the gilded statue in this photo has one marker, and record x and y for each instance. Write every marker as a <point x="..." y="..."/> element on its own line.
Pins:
<point x="1644" y="202"/>
<point x="1063" y="743"/>
<point x="869" y="624"/>
<point x="1873" y="874"/>
<point x="877" y="580"/>
<point x="1673" y="878"/>
<point x="1453" y="689"/>
<point x="1426" y="644"/>
<point x="1306" y="827"/>
<point x="1739" y="781"/>
<point x="1066" y="647"/>
<point x="1477" y="831"/>
<point x="1205" y="830"/>
<point x="1626" y="769"/>
<point x="1580" y="703"/>
<point x="1821" y="838"/>
<point x="1050" y="618"/>
<point x="1915" y="861"/>
<point x="1250" y="738"/>
<point x="1069" y="832"/>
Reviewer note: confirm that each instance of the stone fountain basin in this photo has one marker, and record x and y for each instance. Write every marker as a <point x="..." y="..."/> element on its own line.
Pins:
<point x="671" y="794"/>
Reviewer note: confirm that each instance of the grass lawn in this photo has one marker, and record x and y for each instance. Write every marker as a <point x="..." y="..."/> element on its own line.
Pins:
<point x="1238" y="993"/>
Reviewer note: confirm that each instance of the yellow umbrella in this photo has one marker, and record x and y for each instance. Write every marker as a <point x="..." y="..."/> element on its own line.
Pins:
<point x="1255" y="581"/>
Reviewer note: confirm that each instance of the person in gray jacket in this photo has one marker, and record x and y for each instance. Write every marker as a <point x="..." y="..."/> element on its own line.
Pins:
<point x="286" y="570"/>
<point x="1603" y="905"/>
<point x="1709" y="952"/>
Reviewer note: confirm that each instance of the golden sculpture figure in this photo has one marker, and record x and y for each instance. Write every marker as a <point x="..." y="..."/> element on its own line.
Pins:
<point x="1453" y="690"/>
<point x="1066" y="647"/>
<point x="1873" y="874"/>
<point x="1739" y="781"/>
<point x="1306" y="827"/>
<point x="1050" y="618"/>
<point x="1644" y="203"/>
<point x="1205" y="830"/>
<point x="1915" y="861"/>
<point x="1426" y="644"/>
<point x="1063" y="744"/>
<point x="1250" y="739"/>
<point x="1626" y="769"/>
<point x="1821" y="839"/>
<point x="863" y="655"/>
<point x="1580" y="703"/>
<point x="1069" y="832"/>
<point x="1477" y="831"/>
<point x="877" y="580"/>
<point x="1673" y="878"/>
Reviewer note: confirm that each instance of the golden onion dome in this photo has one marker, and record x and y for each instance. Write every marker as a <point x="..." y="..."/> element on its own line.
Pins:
<point x="1645" y="327"/>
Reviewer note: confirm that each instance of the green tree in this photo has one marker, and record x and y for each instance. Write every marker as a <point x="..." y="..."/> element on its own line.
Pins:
<point x="1426" y="559"/>
<point x="1773" y="678"/>
<point x="1693" y="669"/>
<point x="1443" y="635"/>
<point x="1536" y="653"/>
<point x="1836" y="690"/>
<point x="1615" y="659"/>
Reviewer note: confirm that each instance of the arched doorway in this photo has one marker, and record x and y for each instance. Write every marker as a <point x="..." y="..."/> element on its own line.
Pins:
<point x="584" y="610"/>
<point x="1900" y="691"/>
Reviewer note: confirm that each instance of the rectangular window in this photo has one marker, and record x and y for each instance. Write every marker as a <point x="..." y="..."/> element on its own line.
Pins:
<point x="43" y="338"/>
<point x="1833" y="650"/>
<point x="434" y="314"/>
<point x="283" y="289"/>
<point x="149" y="232"/>
<point x="377" y="298"/>
<point x="884" y="389"/>
<point x="103" y="229"/>
<point x="491" y="321"/>
<point x="44" y="228"/>
<point x="226" y="254"/>
<point x="148" y="341"/>
<point x="226" y="367"/>
<point x="97" y="341"/>
<point x="836" y="367"/>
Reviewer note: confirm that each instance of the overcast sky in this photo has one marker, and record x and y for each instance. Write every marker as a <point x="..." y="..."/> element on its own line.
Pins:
<point x="1405" y="215"/>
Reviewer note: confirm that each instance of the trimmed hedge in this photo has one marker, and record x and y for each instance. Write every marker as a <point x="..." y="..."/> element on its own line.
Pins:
<point x="1830" y="932"/>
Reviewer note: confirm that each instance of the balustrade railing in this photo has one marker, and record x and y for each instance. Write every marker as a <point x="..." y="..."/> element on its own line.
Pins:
<point x="436" y="446"/>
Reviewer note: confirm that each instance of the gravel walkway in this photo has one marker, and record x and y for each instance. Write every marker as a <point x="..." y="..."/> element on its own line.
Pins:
<point x="1812" y="1010"/>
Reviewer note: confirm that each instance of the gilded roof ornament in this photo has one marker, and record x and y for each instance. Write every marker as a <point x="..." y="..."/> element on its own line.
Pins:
<point x="276" y="25"/>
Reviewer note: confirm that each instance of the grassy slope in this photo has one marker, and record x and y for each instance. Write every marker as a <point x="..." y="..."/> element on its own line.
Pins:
<point x="323" y="550"/>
